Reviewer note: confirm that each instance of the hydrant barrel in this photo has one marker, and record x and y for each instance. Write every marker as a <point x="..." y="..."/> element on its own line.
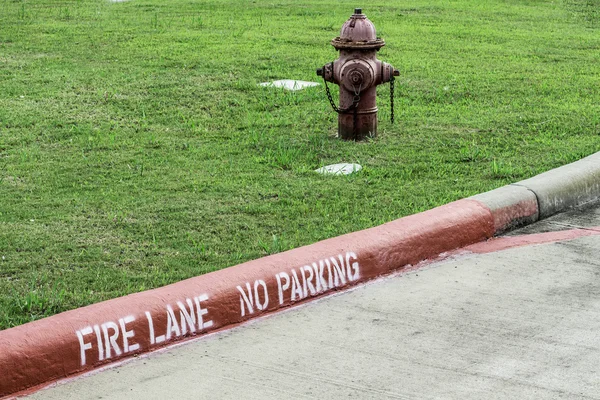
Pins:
<point x="358" y="72"/>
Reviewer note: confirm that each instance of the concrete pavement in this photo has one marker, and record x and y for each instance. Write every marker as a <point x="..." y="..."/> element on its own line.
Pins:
<point x="519" y="323"/>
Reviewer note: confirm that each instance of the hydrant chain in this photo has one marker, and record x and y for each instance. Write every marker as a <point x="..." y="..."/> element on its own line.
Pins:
<point x="354" y="107"/>
<point x="392" y="79"/>
<point x="335" y="108"/>
<point x="338" y="110"/>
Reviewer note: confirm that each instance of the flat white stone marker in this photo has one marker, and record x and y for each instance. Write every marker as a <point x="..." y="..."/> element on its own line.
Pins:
<point x="289" y="84"/>
<point x="339" y="169"/>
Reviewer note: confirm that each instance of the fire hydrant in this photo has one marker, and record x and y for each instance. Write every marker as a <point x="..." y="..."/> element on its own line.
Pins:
<point x="358" y="72"/>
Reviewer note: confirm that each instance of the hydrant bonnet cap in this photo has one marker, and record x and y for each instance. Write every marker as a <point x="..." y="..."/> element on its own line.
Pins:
<point x="358" y="33"/>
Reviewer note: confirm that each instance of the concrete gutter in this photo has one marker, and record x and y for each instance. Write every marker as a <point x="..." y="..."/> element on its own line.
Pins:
<point x="76" y="341"/>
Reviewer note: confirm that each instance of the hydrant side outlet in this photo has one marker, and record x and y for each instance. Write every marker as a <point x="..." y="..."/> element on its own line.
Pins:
<point x="358" y="72"/>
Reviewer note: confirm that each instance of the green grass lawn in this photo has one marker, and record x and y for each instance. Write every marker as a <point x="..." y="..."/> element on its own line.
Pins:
<point x="136" y="148"/>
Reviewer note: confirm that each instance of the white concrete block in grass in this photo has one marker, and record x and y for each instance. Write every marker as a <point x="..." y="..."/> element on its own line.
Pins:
<point x="289" y="84"/>
<point x="339" y="169"/>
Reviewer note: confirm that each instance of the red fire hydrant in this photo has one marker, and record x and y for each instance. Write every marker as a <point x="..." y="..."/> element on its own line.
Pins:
<point x="358" y="72"/>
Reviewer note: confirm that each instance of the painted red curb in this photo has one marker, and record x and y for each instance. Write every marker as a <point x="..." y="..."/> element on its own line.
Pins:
<point x="86" y="338"/>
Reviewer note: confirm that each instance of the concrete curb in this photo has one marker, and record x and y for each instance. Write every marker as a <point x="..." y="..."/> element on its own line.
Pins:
<point x="510" y="206"/>
<point x="544" y="195"/>
<point x="567" y="186"/>
<point x="83" y="339"/>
